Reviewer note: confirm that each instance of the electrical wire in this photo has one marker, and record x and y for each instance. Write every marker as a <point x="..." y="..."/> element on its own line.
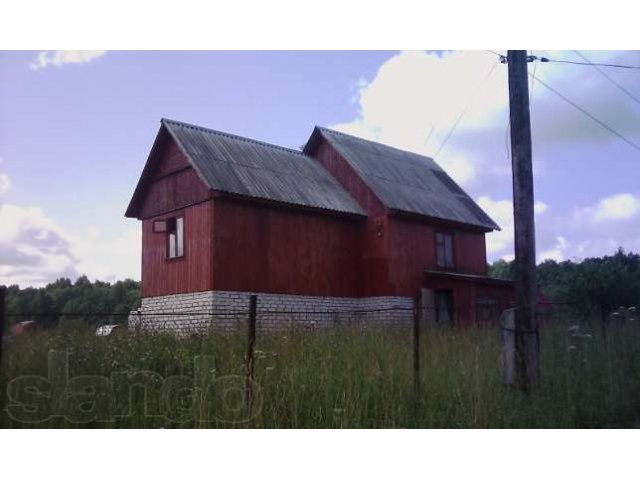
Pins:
<point x="605" y="75"/>
<point x="585" y="112"/>
<point x="611" y="65"/>
<point x="503" y="57"/>
<point x="466" y="108"/>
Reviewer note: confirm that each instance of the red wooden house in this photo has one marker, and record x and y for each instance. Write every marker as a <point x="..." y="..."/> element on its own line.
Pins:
<point x="345" y="224"/>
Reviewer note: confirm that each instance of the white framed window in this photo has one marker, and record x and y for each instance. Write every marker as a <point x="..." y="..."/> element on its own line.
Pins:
<point x="175" y="237"/>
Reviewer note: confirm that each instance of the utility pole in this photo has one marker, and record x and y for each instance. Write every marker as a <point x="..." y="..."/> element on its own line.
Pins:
<point x="526" y="336"/>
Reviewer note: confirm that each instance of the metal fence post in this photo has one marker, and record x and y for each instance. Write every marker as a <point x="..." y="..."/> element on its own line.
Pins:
<point x="416" y="347"/>
<point x="251" y="342"/>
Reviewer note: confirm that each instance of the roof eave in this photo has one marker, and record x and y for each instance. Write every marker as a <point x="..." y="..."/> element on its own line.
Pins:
<point x="132" y="209"/>
<point x="289" y="205"/>
<point x="443" y="221"/>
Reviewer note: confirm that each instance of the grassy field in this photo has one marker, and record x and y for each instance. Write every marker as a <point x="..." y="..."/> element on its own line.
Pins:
<point x="333" y="379"/>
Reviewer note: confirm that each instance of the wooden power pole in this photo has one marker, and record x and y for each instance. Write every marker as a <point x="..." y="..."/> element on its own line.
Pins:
<point x="526" y="336"/>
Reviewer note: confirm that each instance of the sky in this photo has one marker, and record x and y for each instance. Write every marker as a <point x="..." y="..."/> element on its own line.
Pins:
<point x="76" y="128"/>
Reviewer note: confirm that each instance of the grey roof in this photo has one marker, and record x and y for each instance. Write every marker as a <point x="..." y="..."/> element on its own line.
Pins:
<point x="238" y="165"/>
<point x="406" y="181"/>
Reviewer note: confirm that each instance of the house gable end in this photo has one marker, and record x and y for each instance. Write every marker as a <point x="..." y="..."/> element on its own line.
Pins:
<point x="319" y="148"/>
<point x="168" y="181"/>
<point x="406" y="182"/>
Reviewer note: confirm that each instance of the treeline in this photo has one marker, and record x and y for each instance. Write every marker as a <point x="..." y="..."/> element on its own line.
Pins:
<point x="64" y="300"/>
<point x="593" y="284"/>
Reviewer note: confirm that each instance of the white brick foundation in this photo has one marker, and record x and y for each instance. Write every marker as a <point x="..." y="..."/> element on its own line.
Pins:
<point x="192" y="312"/>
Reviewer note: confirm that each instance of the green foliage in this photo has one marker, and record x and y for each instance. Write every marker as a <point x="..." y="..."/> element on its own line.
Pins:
<point x="502" y="269"/>
<point x="592" y="284"/>
<point x="64" y="301"/>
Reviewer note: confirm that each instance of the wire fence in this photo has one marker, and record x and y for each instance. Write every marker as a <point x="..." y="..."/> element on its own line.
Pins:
<point x="205" y="320"/>
<point x="256" y="321"/>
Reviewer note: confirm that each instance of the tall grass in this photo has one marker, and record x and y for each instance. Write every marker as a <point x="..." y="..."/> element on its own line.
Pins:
<point x="343" y="378"/>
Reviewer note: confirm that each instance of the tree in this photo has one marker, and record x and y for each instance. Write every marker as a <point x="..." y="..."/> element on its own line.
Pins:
<point x="591" y="285"/>
<point x="81" y="300"/>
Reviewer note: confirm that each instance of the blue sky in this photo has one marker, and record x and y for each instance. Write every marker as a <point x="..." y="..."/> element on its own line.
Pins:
<point x="76" y="128"/>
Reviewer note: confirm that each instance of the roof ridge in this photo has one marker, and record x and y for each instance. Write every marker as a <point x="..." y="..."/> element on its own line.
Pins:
<point x="232" y="135"/>
<point x="372" y="141"/>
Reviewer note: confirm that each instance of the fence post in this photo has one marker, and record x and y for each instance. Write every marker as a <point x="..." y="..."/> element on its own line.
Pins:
<point x="603" y="325"/>
<point x="416" y="347"/>
<point x="251" y="342"/>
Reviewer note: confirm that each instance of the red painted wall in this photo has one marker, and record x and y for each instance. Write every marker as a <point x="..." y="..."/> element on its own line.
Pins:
<point x="174" y="183"/>
<point x="191" y="273"/>
<point x="174" y="188"/>
<point x="412" y="251"/>
<point x="273" y="250"/>
<point x="233" y="244"/>
<point x="374" y="232"/>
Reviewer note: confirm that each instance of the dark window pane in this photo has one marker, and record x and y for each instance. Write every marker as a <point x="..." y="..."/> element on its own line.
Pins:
<point x="448" y="248"/>
<point x="440" y="251"/>
<point x="444" y="250"/>
<point x="444" y="305"/>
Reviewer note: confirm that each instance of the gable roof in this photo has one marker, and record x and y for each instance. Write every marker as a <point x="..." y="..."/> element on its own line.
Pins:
<point x="405" y="181"/>
<point x="238" y="165"/>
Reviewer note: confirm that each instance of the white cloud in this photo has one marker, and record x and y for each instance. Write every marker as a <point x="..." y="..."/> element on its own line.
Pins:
<point x="35" y="250"/>
<point x="557" y="253"/>
<point x="5" y="183"/>
<point x="58" y="58"/>
<point x="416" y="97"/>
<point x="540" y="207"/>
<point x="617" y="207"/>
<point x="501" y="211"/>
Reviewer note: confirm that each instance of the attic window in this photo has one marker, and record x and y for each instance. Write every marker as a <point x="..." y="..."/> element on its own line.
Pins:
<point x="175" y="237"/>
<point x="444" y="250"/>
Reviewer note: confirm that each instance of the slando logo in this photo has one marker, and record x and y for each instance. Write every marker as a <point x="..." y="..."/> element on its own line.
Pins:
<point x="95" y="398"/>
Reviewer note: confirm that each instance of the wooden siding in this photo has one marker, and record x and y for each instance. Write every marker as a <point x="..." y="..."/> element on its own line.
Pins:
<point x="348" y="178"/>
<point x="412" y="251"/>
<point x="175" y="188"/>
<point x="241" y="245"/>
<point x="175" y="184"/>
<point x="190" y="273"/>
<point x="274" y="250"/>
<point x="374" y="231"/>
<point x="396" y="251"/>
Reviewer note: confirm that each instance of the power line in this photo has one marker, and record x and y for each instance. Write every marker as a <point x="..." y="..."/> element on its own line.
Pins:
<point x="605" y="75"/>
<point x="611" y="65"/>
<point x="455" y="124"/>
<point x="531" y="58"/>
<point x="582" y="110"/>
